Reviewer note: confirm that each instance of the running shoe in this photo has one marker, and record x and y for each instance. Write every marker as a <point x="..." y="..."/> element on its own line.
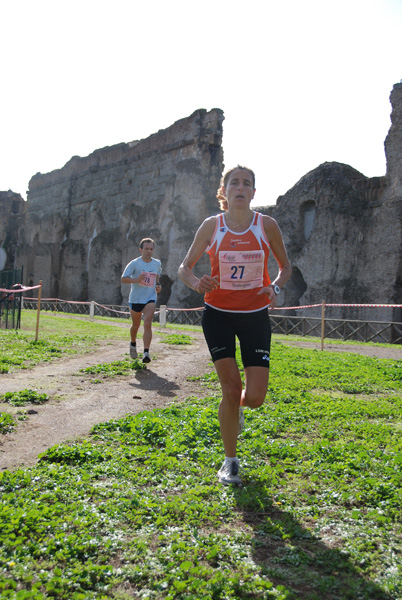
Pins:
<point x="241" y="420"/>
<point x="229" y="473"/>
<point x="133" y="352"/>
<point x="146" y="358"/>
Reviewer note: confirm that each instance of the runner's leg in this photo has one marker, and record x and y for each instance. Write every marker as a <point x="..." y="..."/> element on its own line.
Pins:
<point x="136" y="322"/>
<point x="254" y="333"/>
<point x="231" y="384"/>
<point x="148" y="314"/>
<point x="255" y="387"/>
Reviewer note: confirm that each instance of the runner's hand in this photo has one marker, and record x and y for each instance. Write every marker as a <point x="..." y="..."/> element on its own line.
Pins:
<point x="271" y="295"/>
<point x="207" y="284"/>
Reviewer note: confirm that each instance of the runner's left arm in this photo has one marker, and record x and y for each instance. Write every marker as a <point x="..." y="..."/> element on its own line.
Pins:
<point x="277" y="246"/>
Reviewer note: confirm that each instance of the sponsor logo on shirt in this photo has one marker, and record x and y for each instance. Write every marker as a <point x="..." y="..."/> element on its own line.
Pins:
<point x="234" y="243"/>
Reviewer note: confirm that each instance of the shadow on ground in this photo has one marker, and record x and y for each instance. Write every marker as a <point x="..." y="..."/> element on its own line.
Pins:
<point x="290" y="555"/>
<point x="149" y="380"/>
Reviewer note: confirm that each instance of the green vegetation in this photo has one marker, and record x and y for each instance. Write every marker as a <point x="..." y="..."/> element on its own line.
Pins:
<point x="117" y="367"/>
<point x="176" y="339"/>
<point x="135" y="510"/>
<point x="24" y="397"/>
<point x="59" y="336"/>
<point x="7" y="422"/>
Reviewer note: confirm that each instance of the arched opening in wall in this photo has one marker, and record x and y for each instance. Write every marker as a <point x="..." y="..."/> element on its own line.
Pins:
<point x="215" y="153"/>
<point x="164" y="295"/>
<point x="295" y="288"/>
<point x="55" y="280"/>
<point x="15" y="208"/>
<point x="308" y="213"/>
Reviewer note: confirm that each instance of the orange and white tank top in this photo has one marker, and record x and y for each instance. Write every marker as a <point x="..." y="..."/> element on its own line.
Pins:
<point x="240" y="261"/>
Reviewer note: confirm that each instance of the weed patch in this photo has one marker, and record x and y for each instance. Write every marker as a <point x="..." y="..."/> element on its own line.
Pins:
<point x="117" y="367"/>
<point x="24" y="397"/>
<point x="177" y="339"/>
<point x="7" y="422"/>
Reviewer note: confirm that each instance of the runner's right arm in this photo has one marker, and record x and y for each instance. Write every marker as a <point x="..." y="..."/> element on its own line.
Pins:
<point x="200" y="244"/>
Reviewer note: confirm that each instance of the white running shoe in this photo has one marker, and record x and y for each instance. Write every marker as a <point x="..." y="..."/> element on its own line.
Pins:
<point x="133" y="352"/>
<point x="241" y="420"/>
<point x="146" y="358"/>
<point x="229" y="473"/>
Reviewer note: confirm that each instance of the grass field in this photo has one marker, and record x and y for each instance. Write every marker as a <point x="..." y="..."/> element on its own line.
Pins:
<point x="135" y="511"/>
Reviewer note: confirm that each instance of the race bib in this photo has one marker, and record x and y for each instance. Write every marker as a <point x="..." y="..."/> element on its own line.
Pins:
<point x="149" y="280"/>
<point x="241" y="270"/>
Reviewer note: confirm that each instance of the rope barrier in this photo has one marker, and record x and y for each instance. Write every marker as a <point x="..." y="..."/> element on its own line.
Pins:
<point x="119" y="312"/>
<point x="334" y="305"/>
<point x="186" y="309"/>
<point x="20" y="290"/>
<point x="369" y="305"/>
<point x="338" y="305"/>
<point x="297" y="307"/>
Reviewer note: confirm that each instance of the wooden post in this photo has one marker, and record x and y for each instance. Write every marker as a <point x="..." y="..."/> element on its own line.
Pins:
<point x="162" y="315"/>
<point x="38" y="310"/>
<point x="322" y="324"/>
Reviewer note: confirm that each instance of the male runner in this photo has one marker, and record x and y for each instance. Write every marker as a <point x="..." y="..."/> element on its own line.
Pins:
<point x="143" y="275"/>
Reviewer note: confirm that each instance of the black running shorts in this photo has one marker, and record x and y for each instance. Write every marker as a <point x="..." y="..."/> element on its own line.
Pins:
<point x="253" y="331"/>
<point x="139" y="307"/>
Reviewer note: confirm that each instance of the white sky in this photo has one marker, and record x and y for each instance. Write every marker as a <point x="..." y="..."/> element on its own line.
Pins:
<point x="301" y="82"/>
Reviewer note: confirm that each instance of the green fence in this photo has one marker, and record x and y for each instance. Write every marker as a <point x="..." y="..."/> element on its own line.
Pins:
<point x="10" y="303"/>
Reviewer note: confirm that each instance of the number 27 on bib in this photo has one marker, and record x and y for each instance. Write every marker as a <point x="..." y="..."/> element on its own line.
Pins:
<point x="241" y="270"/>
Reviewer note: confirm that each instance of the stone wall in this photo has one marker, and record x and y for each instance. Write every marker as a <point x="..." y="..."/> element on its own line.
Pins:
<point x="11" y="209"/>
<point x="83" y="223"/>
<point x="343" y="232"/>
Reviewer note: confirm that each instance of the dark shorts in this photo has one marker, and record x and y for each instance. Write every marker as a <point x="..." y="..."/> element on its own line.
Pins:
<point x="140" y="307"/>
<point x="253" y="331"/>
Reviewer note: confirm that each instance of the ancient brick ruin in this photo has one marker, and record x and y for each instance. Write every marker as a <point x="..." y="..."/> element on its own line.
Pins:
<point x="343" y="232"/>
<point x="82" y="223"/>
<point x="12" y="208"/>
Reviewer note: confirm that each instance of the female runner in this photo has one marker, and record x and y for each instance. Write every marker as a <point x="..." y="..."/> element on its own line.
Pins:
<point x="237" y="295"/>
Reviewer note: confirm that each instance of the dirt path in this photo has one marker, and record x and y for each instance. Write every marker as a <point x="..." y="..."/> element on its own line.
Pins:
<point x="76" y="404"/>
